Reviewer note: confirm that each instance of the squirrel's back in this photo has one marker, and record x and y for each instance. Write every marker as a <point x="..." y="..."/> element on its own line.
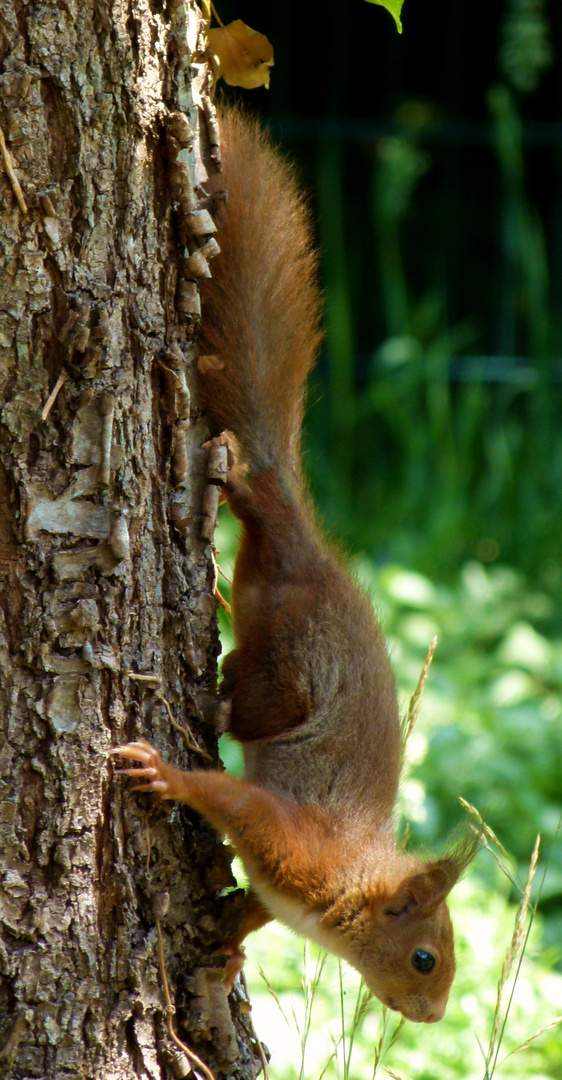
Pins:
<point x="260" y="327"/>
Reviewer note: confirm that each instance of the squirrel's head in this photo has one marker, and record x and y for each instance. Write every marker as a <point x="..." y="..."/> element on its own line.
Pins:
<point x="400" y="938"/>
<point x="406" y="946"/>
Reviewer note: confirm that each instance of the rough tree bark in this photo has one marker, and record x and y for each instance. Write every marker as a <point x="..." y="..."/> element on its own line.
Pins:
<point x="107" y="615"/>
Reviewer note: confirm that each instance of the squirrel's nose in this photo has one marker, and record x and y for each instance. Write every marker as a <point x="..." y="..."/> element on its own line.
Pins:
<point x="437" y="1014"/>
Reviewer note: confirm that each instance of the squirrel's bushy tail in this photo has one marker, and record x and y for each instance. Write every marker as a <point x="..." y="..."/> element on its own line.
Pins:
<point x="260" y="326"/>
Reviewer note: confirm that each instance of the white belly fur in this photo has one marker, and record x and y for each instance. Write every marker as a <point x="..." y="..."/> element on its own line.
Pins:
<point x="295" y="915"/>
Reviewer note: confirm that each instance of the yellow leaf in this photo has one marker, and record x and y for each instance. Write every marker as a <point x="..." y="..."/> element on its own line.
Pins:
<point x="244" y="55"/>
<point x="394" y="6"/>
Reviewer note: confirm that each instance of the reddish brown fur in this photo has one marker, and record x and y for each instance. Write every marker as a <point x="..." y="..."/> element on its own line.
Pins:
<point x="266" y="359"/>
<point x="312" y="694"/>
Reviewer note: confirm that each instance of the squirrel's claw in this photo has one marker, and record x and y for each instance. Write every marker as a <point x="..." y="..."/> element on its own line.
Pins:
<point x="150" y="767"/>
<point x="138" y="751"/>
<point x="157" y="787"/>
<point x="149" y="772"/>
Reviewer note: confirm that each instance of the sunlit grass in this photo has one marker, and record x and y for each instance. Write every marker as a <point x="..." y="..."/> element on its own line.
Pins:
<point x="488" y="730"/>
<point x="372" y="1039"/>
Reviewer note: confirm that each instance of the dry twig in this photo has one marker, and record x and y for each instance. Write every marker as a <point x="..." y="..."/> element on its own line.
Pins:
<point x="216" y="591"/>
<point x="186" y="734"/>
<point x="193" y="1058"/>
<point x="9" y="169"/>
<point x="54" y="394"/>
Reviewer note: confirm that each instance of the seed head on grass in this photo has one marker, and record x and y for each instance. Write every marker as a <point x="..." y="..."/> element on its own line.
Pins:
<point x="489" y="840"/>
<point x="408" y="722"/>
<point x="524" y="1045"/>
<point x="392" y="1074"/>
<point x="513" y="960"/>
<point x="388" y="1037"/>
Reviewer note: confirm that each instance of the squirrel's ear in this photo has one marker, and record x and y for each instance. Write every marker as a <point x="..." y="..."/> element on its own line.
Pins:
<point x="424" y="891"/>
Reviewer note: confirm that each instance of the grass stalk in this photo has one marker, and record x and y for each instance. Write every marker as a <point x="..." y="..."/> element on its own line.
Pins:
<point x="514" y="958"/>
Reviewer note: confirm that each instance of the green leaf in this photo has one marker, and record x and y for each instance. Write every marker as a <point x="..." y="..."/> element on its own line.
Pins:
<point x="394" y="6"/>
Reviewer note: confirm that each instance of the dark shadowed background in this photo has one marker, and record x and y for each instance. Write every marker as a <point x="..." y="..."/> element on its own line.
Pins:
<point x="434" y="160"/>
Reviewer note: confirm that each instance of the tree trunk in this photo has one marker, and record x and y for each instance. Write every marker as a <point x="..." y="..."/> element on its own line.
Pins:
<point x="107" y="614"/>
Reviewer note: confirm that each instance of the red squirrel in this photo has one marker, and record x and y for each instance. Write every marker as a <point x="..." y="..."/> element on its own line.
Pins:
<point x="311" y="690"/>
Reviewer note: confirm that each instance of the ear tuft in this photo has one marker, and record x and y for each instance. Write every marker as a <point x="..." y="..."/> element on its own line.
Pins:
<point x="462" y="851"/>
<point x="424" y="891"/>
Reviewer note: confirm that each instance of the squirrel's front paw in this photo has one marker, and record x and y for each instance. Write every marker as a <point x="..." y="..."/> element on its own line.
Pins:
<point x="235" y="957"/>
<point x="153" y="768"/>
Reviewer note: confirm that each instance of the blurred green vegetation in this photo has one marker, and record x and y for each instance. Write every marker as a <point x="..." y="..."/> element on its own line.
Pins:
<point x="430" y="451"/>
<point x="489" y="731"/>
<point x="492" y="711"/>
<point x="434" y="162"/>
<point x="433" y="433"/>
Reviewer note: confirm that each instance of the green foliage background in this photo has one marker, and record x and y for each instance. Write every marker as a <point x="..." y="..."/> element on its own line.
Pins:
<point x="489" y="731"/>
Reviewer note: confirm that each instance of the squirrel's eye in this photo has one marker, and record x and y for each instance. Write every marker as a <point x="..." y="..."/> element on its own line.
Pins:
<point x="423" y="961"/>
